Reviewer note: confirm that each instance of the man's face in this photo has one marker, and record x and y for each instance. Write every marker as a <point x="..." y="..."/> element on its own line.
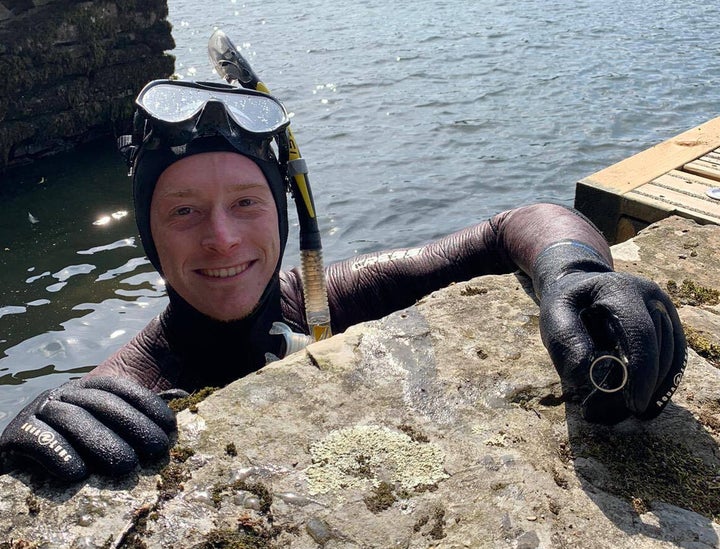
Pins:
<point x="215" y="226"/>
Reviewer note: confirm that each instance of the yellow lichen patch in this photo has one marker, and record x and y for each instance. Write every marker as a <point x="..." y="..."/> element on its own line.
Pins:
<point x="367" y="455"/>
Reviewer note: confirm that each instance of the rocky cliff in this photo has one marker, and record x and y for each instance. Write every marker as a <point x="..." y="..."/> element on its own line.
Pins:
<point x="70" y="70"/>
<point x="441" y="425"/>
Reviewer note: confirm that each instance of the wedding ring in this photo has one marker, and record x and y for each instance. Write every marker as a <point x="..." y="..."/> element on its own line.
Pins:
<point x="615" y="359"/>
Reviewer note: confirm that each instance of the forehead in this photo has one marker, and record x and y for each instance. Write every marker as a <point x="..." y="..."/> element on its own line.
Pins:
<point x="210" y="170"/>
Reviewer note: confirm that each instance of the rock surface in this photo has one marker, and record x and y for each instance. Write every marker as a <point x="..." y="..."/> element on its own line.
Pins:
<point x="71" y="70"/>
<point x="438" y="426"/>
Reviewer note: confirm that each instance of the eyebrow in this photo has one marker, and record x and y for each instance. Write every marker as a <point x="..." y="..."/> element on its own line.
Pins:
<point x="191" y="191"/>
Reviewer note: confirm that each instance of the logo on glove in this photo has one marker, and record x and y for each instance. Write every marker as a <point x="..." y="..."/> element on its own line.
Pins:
<point x="676" y="382"/>
<point x="46" y="438"/>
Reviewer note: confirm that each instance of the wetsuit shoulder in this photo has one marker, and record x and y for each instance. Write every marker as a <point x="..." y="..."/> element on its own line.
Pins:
<point x="146" y="359"/>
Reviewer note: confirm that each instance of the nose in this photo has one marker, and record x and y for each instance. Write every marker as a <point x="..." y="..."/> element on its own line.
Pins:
<point x="221" y="234"/>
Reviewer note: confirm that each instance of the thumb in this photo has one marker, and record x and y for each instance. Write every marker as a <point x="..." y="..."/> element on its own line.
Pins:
<point x="566" y="339"/>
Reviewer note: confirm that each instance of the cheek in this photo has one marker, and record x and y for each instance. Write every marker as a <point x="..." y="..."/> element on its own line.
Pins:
<point x="169" y="248"/>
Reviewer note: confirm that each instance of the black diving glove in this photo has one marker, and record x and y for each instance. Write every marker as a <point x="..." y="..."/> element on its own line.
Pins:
<point x="98" y="424"/>
<point x="589" y="312"/>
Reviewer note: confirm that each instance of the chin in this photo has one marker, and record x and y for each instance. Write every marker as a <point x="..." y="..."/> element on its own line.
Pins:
<point x="231" y="316"/>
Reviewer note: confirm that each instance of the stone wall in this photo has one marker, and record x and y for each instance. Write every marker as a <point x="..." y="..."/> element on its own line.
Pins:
<point x="69" y="70"/>
<point x="440" y="426"/>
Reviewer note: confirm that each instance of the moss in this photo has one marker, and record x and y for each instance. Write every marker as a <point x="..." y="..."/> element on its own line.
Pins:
<point x="171" y="480"/>
<point x="133" y="538"/>
<point x="438" y="529"/>
<point x="19" y="544"/>
<point x="364" y="468"/>
<point x="472" y="290"/>
<point x="413" y="433"/>
<point x="191" y="402"/>
<point x="381" y="498"/>
<point x="422" y="521"/>
<point x="225" y="538"/>
<point x="692" y="293"/>
<point x="231" y="449"/>
<point x="436" y="522"/>
<point x="697" y="341"/>
<point x="643" y="468"/>
<point x="181" y="454"/>
<point x="253" y="531"/>
<point x="33" y="504"/>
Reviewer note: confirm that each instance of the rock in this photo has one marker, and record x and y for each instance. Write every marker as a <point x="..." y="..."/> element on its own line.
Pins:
<point x="441" y="425"/>
<point x="71" y="70"/>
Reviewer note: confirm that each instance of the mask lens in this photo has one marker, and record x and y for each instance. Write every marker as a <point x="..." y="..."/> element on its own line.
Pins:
<point x="174" y="103"/>
<point x="254" y="113"/>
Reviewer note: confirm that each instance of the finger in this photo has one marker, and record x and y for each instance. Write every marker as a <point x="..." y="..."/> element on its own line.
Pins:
<point x="663" y="335"/>
<point x="635" y="337"/>
<point x="142" y="398"/>
<point x="605" y="408"/>
<point x="32" y="438"/>
<point x="135" y="428"/>
<point x="567" y="341"/>
<point x="676" y="354"/>
<point x="605" y="403"/>
<point x="99" y="446"/>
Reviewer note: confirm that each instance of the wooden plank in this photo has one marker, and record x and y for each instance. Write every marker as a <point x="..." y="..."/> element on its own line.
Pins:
<point x="690" y="183"/>
<point x="711" y="170"/>
<point x="645" y="166"/>
<point x="675" y="193"/>
<point x="713" y="156"/>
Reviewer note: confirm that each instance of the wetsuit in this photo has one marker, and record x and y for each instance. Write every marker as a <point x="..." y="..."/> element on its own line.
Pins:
<point x="183" y="348"/>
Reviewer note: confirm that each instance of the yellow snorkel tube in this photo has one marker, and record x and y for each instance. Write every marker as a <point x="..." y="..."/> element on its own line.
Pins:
<point x="233" y="67"/>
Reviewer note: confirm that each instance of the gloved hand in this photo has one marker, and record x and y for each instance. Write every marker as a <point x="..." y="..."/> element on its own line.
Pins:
<point x="587" y="311"/>
<point x="97" y="424"/>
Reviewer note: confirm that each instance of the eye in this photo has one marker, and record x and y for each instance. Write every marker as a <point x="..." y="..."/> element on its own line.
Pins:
<point x="245" y="202"/>
<point x="182" y="211"/>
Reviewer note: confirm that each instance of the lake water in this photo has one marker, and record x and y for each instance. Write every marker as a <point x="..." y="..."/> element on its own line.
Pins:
<point x="416" y="119"/>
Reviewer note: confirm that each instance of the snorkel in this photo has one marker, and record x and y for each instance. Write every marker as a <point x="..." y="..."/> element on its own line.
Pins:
<point x="235" y="69"/>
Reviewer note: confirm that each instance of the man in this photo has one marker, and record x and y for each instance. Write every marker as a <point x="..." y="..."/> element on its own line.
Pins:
<point x="210" y="204"/>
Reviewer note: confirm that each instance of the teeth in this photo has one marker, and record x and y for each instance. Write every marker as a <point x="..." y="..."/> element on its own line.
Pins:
<point x="223" y="273"/>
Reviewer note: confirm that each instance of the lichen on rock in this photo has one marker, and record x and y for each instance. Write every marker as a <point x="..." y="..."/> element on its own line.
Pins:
<point x="366" y="455"/>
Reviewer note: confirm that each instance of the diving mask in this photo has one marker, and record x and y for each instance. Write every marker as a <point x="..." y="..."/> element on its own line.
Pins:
<point x="173" y="113"/>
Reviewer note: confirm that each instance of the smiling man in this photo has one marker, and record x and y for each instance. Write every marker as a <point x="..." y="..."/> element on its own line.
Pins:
<point x="210" y="175"/>
<point x="215" y="225"/>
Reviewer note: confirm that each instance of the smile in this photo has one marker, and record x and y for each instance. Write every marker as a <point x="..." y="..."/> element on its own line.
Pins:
<point x="225" y="272"/>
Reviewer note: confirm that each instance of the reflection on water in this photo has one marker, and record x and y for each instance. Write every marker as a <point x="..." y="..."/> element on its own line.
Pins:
<point x="75" y="284"/>
<point x="414" y="121"/>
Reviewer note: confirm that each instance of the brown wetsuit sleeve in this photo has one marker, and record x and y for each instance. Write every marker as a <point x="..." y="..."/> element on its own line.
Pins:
<point x="371" y="286"/>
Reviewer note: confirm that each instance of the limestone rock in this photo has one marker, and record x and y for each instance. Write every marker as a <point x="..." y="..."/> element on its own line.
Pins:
<point x="71" y="70"/>
<point x="441" y="425"/>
